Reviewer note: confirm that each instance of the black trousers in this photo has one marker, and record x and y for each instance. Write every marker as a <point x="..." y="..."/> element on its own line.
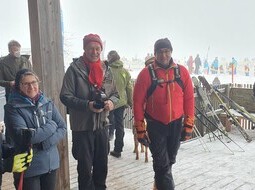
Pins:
<point x="117" y="121"/>
<point x="165" y="142"/>
<point x="90" y="149"/>
<point x="41" y="182"/>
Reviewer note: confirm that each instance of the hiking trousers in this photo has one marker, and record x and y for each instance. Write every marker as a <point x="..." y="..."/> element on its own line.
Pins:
<point x="117" y="121"/>
<point x="90" y="149"/>
<point x="165" y="142"/>
<point x="45" y="181"/>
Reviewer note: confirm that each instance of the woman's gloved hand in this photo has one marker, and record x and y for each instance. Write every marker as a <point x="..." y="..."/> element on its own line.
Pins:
<point x="22" y="161"/>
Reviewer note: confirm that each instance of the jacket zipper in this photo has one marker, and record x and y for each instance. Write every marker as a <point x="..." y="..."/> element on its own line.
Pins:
<point x="169" y="96"/>
<point x="37" y="119"/>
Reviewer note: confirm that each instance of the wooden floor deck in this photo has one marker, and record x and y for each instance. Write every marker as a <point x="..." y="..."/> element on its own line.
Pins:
<point x="196" y="169"/>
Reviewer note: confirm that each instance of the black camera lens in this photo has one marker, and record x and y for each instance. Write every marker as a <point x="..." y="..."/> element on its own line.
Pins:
<point x="98" y="105"/>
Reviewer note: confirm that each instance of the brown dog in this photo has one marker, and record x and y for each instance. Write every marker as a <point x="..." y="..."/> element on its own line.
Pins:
<point x="143" y="148"/>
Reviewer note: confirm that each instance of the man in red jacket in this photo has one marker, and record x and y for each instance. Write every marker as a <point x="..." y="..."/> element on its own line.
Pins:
<point x="169" y="111"/>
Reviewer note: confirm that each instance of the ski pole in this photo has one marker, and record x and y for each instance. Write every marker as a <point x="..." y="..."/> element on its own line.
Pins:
<point x="202" y="142"/>
<point x="214" y="134"/>
<point x="204" y="116"/>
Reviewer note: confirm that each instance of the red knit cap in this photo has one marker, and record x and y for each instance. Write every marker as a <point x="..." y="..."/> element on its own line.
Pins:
<point x="92" y="38"/>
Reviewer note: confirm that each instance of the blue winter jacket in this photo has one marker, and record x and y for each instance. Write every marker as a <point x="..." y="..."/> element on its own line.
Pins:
<point x="48" y="128"/>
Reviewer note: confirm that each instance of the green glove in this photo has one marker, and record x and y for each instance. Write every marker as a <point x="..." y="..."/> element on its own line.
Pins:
<point x="22" y="161"/>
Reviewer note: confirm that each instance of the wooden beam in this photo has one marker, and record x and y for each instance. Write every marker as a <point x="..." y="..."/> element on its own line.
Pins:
<point x="48" y="63"/>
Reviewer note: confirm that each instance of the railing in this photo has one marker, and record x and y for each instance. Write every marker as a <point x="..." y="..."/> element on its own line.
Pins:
<point x="128" y="118"/>
<point x="241" y="85"/>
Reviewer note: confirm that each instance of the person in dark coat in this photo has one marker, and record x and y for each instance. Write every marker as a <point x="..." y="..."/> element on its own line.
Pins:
<point x="10" y="65"/>
<point x="89" y="92"/>
<point x="28" y="108"/>
<point x="197" y="64"/>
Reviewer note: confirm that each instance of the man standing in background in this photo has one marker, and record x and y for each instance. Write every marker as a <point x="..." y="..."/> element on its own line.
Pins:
<point x="124" y="87"/>
<point x="197" y="64"/>
<point x="10" y="65"/>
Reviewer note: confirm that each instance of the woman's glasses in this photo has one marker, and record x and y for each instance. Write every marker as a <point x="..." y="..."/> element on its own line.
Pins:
<point x="27" y="84"/>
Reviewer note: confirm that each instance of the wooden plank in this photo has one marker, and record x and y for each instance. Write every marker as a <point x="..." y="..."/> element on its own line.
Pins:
<point x="48" y="63"/>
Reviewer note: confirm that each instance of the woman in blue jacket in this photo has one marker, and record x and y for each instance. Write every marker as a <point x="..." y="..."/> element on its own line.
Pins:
<point x="28" y="108"/>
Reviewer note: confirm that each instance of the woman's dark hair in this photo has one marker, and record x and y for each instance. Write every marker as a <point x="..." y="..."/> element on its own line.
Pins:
<point x="22" y="73"/>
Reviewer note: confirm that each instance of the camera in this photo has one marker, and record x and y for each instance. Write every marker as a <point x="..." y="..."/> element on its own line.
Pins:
<point x="99" y="97"/>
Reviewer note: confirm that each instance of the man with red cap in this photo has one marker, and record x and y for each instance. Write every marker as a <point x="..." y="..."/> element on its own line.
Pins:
<point x="168" y="110"/>
<point x="89" y="92"/>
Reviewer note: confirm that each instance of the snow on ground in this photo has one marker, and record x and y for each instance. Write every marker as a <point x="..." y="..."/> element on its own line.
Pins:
<point x="218" y="169"/>
<point x="195" y="168"/>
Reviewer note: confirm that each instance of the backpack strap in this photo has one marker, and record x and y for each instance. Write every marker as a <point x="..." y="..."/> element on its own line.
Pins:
<point x="177" y="77"/>
<point x="155" y="82"/>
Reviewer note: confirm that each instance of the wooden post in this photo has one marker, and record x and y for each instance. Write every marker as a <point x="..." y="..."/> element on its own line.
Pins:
<point x="48" y="63"/>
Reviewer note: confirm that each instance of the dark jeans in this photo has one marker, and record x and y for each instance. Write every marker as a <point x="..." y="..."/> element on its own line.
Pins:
<point x="90" y="149"/>
<point x="165" y="142"/>
<point x="41" y="182"/>
<point x="117" y="121"/>
<point x="112" y="123"/>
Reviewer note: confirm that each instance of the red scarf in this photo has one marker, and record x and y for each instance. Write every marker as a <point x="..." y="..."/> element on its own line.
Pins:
<point x="95" y="72"/>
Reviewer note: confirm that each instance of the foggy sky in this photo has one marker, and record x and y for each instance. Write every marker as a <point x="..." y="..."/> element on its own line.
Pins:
<point x="131" y="27"/>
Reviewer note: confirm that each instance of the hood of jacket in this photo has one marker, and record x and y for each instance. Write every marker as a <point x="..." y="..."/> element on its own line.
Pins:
<point x="79" y="67"/>
<point x="116" y="64"/>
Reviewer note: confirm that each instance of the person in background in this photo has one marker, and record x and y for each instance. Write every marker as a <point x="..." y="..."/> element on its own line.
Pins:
<point x="89" y="92"/>
<point x="149" y="60"/>
<point x="190" y="64"/>
<point x="215" y="66"/>
<point x="206" y="67"/>
<point x="169" y="112"/>
<point x="197" y="64"/>
<point x="234" y="64"/>
<point x="124" y="86"/>
<point x="10" y="65"/>
<point x="247" y="65"/>
<point x="29" y="110"/>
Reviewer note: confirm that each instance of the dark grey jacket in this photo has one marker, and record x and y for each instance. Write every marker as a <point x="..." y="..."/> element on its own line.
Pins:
<point x="48" y="129"/>
<point x="76" y="92"/>
<point x="9" y="66"/>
